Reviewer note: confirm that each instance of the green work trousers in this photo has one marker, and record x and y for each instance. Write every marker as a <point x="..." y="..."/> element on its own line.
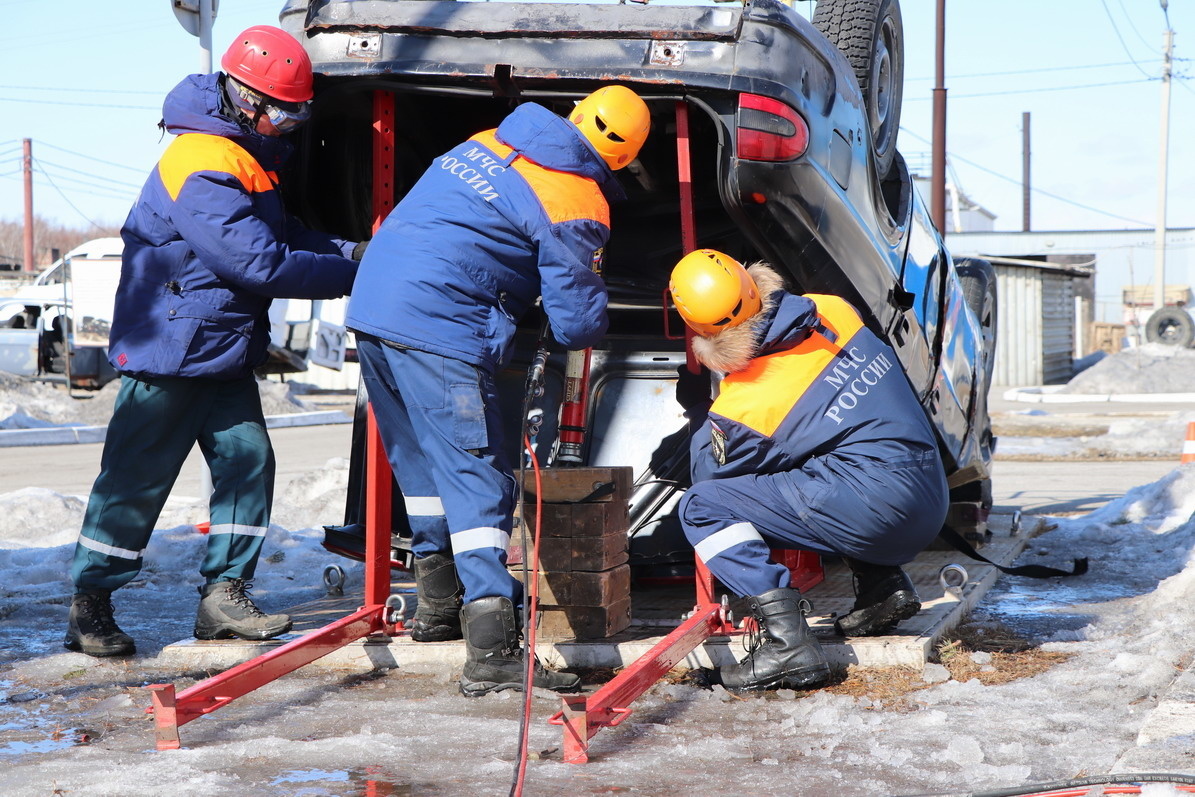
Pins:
<point x="155" y="424"/>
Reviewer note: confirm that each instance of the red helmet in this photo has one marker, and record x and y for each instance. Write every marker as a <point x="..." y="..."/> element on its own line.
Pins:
<point x="271" y="61"/>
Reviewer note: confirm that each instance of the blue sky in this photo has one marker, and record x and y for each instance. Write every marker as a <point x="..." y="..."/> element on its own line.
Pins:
<point x="86" y="85"/>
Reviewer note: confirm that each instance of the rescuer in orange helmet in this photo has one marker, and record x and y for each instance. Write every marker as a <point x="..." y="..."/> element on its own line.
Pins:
<point x="814" y="442"/>
<point x="513" y="214"/>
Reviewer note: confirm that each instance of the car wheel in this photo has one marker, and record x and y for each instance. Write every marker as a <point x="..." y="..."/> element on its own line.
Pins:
<point x="1172" y="326"/>
<point x="869" y="33"/>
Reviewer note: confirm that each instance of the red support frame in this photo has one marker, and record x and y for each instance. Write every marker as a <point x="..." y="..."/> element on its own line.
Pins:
<point x="172" y="710"/>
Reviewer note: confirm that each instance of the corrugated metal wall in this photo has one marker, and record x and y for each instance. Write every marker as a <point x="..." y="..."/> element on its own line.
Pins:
<point x="1035" y="332"/>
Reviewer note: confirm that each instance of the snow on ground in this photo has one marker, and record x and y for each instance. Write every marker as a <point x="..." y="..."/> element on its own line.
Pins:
<point x="70" y="724"/>
<point x="74" y="723"/>
<point x="33" y="405"/>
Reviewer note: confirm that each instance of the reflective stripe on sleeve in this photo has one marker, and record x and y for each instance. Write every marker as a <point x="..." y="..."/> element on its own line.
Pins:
<point x="473" y="539"/>
<point x="728" y="537"/>
<point x="110" y="550"/>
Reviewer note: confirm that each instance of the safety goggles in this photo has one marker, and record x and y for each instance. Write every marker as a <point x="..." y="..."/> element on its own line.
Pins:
<point x="285" y="116"/>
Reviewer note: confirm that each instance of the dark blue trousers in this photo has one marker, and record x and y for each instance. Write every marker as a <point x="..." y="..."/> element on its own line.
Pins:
<point x="154" y="426"/>
<point x="440" y="422"/>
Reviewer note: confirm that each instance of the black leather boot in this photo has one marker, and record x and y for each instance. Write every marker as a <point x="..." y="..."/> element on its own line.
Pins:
<point x="92" y="629"/>
<point x="494" y="654"/>
<point x="227" y="611"/>
<point x="784" y="653"/>
<point x="438" y="613"/>
<point x="884" y="596"/>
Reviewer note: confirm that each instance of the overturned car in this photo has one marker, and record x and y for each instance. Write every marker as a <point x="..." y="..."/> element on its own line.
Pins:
<point x="773" y="139"/>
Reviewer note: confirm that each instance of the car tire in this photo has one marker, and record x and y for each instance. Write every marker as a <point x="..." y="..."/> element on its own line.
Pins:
<point x="869" y="33"/>
<point x="1172" y="326"/>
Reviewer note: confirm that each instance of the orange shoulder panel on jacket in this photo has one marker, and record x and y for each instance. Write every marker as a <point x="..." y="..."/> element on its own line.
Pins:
<point x="564" y="196"/>
<point x="761" y="395"/>
<point x="199" y="152"/>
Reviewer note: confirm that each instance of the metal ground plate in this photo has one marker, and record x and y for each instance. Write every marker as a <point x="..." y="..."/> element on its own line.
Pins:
<point x="655" y="611"/>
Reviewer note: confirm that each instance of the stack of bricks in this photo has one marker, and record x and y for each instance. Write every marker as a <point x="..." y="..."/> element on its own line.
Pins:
<point x="585" y="581"/>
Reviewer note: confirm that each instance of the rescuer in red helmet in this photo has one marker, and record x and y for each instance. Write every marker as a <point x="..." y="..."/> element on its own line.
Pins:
<point x="815" y="442"/>
<point x="206" y="247"/>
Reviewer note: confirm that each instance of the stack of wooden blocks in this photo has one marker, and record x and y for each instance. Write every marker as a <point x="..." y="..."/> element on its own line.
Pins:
<point x="585" y="581"/>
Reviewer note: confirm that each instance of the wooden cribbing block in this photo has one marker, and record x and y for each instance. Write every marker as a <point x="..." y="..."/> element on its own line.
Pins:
<point x="582" y="520"/>
<point x="574" y="553"/>
<point x="574" y="485"/>
<point x="578" y="588"/>
<point x="583" y="622"/>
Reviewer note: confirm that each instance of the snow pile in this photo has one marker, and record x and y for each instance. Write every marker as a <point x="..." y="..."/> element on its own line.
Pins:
<point x="38" y="529"/>
<point x="34" y="405"/>
<point x="1151" y="368"/>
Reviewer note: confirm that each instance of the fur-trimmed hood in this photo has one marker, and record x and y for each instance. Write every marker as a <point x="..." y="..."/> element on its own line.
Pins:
<point x="783" y="321"/>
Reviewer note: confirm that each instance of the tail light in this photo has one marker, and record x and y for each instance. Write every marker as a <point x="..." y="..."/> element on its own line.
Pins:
<point x="769" y="130"/>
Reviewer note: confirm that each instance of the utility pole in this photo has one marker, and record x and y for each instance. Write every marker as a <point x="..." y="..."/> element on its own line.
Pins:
<point x="938" y="177"/>
<point x="27" y="168"/>
<point x="1025" y="171"/>
<point x="1163" y="158"/>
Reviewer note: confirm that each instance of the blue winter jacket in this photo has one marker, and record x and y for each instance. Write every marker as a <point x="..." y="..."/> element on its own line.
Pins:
<point x="208" y="244"/>
<point x="825" y="406"/>
<point x="511" y="214"/>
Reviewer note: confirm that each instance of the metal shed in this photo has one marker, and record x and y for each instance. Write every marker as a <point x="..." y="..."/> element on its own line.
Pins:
<point x="1036" y="321"/>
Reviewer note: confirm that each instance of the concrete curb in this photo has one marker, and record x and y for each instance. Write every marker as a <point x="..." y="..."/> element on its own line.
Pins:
<point x="1049" y="394"/>
<point x="68" y="435"/>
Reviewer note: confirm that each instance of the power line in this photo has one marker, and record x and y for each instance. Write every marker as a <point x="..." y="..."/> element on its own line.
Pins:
<point x="82" y="90"/>
<point x="1131" y="25"/>
<point x="82" y="104"/>
<point x="91" y="158"/>
<point x="87" y="174"/>
<point x="1036" y="91"/>
<point x="1026" y="71"/>
<point x="1015" y="181"/>
<point x="1116" y="30"/>
<point x="67" y="200"/>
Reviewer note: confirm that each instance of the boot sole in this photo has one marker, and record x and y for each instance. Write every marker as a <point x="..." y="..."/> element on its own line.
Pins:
<point x="225" y="632"/>
<point x="805" y="678"/>
<point x="481" y="688"/>
<point x="99" y="652"/>
<point x="881" y="618"/>
<point x="436" y="633"/>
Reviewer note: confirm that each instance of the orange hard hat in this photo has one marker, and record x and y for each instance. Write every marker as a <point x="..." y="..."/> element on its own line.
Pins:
<point x="712" y="291"/>
<point x="615" y="120"/>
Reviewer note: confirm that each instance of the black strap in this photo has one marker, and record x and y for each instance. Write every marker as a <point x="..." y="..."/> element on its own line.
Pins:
<point x="1030" y="571"/>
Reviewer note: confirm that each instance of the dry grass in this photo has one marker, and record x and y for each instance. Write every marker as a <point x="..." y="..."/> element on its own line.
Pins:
<point x="1012" y="657"/>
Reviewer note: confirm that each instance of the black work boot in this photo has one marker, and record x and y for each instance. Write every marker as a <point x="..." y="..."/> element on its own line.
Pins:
<point x="493" y="653"/>
<point x="227" y="611"/>
<point x="783" y="653"/>
<point x="92" y="629"/>
<point x="884" y="596"/>
<point x="438" y="615"/>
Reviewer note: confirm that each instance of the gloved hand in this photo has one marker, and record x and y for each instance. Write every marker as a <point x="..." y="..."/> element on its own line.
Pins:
<point x="692" y="389"/>
<point x="359" y="250"/>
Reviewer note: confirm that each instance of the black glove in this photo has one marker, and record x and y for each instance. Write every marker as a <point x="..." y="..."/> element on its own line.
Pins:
<point x="692" y="389"/>
<point x="359" y="250"/>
